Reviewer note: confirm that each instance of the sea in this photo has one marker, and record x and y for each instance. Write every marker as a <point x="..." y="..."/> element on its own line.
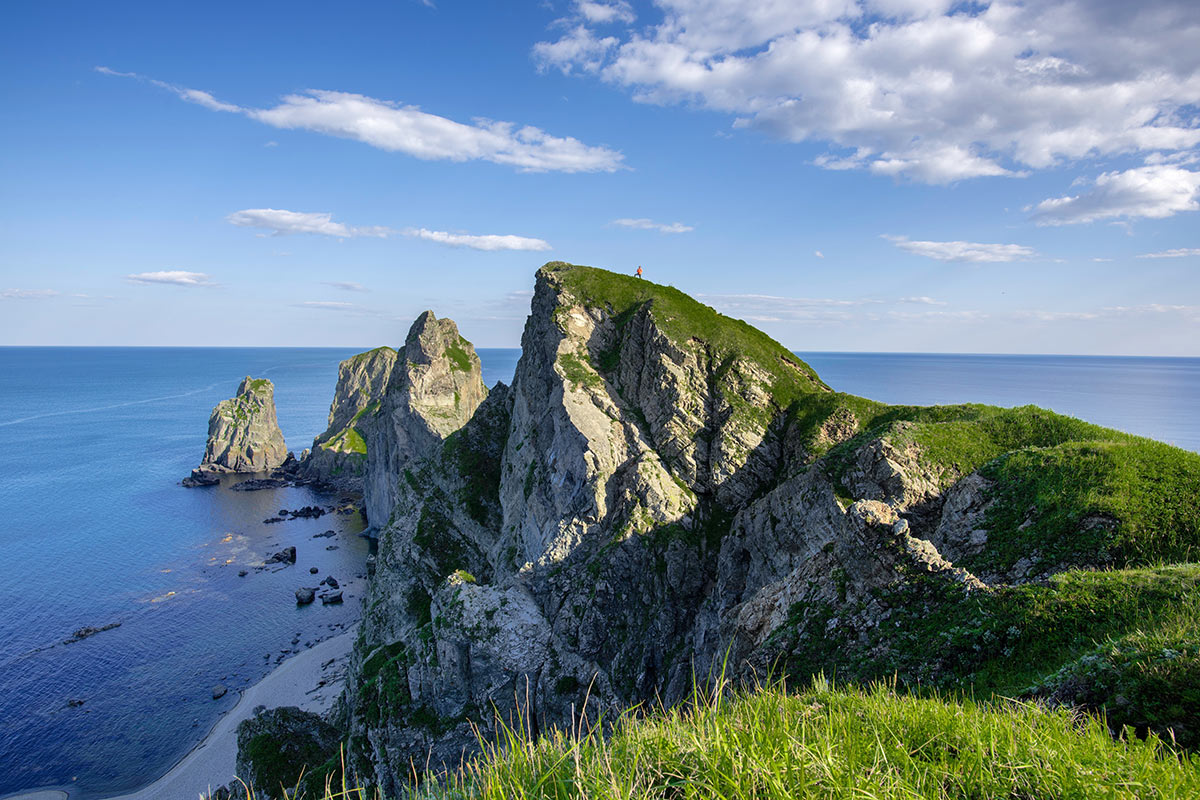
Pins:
<point x="95" y="529"/>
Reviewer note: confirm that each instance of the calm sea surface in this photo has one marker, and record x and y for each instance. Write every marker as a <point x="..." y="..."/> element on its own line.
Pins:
<point x="95" y="529"/>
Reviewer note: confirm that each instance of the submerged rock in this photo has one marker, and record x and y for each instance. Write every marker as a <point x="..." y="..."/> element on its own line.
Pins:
<point x="284" y="556"/>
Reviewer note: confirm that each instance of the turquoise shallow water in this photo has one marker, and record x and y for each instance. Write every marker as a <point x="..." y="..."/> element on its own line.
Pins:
<point x="94" y="528"/>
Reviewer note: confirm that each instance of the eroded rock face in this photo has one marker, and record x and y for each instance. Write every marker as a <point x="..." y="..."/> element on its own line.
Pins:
<point x="274" y="746"/>
<point x="243" y="432"/>
<point x="435" y="386"/>
<point x="338" y="456"/>
<point x="633" y="512"/>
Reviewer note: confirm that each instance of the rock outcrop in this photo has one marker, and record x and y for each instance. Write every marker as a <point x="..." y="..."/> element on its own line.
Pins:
<point x="243" y="432"/>
<point x="275" y="747"/>
<point x="662" y="495"/>
<point x="434" y="388"/>
<point x="338" y="457"/>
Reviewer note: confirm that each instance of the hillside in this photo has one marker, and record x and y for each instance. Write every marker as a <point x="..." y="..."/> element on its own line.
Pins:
<point x="666" y="494"/>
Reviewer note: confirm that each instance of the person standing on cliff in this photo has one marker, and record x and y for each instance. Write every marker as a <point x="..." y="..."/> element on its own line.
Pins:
<point x="639" y="270"/>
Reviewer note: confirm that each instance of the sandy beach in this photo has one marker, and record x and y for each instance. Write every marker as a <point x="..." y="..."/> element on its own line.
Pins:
<point x="296" y="682"/>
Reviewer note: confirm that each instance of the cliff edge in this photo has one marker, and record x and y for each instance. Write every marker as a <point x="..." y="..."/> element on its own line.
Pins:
<point x="338" y="457"/>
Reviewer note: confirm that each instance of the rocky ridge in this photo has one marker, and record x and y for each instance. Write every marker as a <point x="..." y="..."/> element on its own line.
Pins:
<point x="243" y="434"/>
<point x="338" y="457"/>
<point x="665" y="494"/>
<point x="434" y="387"/>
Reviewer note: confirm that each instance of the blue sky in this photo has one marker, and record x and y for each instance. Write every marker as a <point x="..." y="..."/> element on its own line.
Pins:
<point x="883" y="175"/>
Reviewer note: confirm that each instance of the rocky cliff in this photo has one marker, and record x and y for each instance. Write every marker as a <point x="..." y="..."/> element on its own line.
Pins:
<point x="434" y="388"/>
<point x="338" y="456"/>
<point x="665" y="493"/>
<point x="243" y="432"/>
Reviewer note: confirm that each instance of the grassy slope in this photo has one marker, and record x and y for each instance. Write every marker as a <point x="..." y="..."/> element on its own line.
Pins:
<point x="823" y="742"/>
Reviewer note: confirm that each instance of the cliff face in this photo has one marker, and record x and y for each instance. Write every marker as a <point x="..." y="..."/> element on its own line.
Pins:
<point x="665" y="492"/>
<point x="434" y="387"/>
<point x="339" y="455"/>
<point x="243" y="432"/>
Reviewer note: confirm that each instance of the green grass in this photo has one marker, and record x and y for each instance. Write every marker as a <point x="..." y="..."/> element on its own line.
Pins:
<point x="1001" y="643"/>
<point x="683" y="319"/>
<point x="1120" y="503"/>
<point x="456" y="352"/>
<point x="1148" y="680"/>
<point x="578" y="371"/>
<point x="824" y="742"/>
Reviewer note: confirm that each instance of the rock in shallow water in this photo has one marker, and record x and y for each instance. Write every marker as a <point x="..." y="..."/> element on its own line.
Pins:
<point x="304" y="596"/>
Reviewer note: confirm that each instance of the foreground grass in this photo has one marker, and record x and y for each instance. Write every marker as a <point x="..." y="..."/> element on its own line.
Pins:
<point x="823" y="743"/>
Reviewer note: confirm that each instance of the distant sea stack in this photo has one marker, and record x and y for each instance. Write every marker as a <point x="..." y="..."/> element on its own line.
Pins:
<point x="243" y="434"/>
<point x="434" y="389"/>
<point x="339" y="455"/>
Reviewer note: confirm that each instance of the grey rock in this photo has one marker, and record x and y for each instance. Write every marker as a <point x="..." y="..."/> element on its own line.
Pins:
<point x="219" y="691"/>
<point x="434" y="388"/>
<point x="304" y="596"/>
<point x="243" y="432"/>
<point x="337" y="458"/>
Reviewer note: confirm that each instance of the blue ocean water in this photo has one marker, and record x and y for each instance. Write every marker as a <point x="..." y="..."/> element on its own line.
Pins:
<point x="94" y="529"/>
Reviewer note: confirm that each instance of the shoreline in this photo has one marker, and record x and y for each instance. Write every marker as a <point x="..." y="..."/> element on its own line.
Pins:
<point x="210" y="764"/>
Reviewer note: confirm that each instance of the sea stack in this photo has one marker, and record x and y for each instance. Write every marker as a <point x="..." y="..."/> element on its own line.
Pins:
<point x="435" y="387"/>
<point x="243" y="434"/>
<point x="338" y="456"/>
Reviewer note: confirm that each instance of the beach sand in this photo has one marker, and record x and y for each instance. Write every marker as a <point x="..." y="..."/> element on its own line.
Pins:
<point x="294" y="683"/>
<point x="210" y="764"/>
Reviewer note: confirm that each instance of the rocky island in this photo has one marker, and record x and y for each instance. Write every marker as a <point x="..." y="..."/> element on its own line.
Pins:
<point x="667" y="496"/>
<point x="243" y="435"/>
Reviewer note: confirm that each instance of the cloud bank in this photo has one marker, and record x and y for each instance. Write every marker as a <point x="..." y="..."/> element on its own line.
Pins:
<point x="280" y="223"/>
<point x="931" y="90"/>
<point x="644" y="224"/>
<point x="399" y="128"/>
<point x="966" y="252"/>
<point x="173" y="277"/>
<point x="479" y="242"/>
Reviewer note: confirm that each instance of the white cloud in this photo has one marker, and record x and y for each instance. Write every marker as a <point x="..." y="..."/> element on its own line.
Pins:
<point x="932" y="90"/>
<point x="1154" y="191"/>
<point x="489" y="241"/>
<point x="407" y="129"/>
<point x="599" y="12"/>
<point x="346" y="286"/>
<point x="327" y="305"/>
<point x="644" y="224"/>
<point x="26" y="294"/>
<point x="818" y="254"/>
<point x="174" y="277"/>
<point x="1179" y="252"/>
<point x="968" y="252"/>
<point x="924" y="301"/>
<point x="578" y="49"/>
<point x="280" y="222"/>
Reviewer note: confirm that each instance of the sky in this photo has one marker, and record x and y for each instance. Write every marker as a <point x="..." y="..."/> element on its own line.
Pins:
<point x="847" y="175"/>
